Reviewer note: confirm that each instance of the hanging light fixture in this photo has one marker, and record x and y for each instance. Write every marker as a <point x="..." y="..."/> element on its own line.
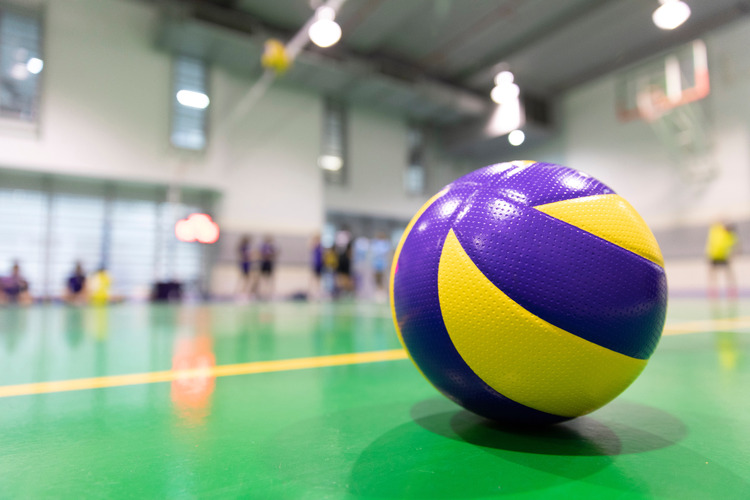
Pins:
<point x="505" y="90"/>
<point x="508" y="114"/>
<point x="505" y="93"/>
<point x="671" y="14"/>
<point x="324" y="32"/>
<point x="505" y="77"/>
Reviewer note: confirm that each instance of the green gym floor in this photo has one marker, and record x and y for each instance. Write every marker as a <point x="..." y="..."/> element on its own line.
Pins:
<point x="308" y="401"/>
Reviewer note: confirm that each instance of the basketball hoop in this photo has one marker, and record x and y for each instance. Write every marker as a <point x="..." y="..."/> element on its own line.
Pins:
<point x="655" y="87"/>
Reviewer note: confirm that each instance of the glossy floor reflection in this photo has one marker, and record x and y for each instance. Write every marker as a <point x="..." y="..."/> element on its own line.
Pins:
<point x="188" y="427"/>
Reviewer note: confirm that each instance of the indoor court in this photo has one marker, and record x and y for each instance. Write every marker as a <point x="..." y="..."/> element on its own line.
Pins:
<point x="387" y="249"/>
<point x="283" y="404"/>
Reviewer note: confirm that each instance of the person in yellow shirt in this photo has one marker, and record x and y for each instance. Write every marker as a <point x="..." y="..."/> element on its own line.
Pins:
<point x="720" y="246"/>
<point x="100" y="284"/>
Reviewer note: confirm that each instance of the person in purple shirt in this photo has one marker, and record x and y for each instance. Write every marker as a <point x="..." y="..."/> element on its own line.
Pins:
<point x="75" y="290"/>
<point x="14" y="289"/>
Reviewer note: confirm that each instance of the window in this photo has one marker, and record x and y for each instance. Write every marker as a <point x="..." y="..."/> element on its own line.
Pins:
<point x="414" y="176"/>
<point x="76" y="230"/>
<point x="332" y="157"/>
<point x="49" y="223"/>
<point x="21" y="65"/>
<point x="189" y="104"/>
<point x="23" y="224"/>
<point x="134" y="242"/>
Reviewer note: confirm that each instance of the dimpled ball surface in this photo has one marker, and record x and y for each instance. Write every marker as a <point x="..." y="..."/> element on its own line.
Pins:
<point x="529" y="292"/>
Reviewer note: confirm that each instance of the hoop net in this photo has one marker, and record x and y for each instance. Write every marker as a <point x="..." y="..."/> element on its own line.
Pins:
<point x="652" y="103"/>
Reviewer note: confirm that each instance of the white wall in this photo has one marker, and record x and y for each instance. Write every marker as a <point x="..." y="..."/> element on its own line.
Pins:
<point x="267" y="161"/>
<point x="377" y="158"/>
<point x="97" y="119"/>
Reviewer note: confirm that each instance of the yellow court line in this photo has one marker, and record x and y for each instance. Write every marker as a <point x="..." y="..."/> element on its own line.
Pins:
<point x="289" y="364"/>
<point x="215" y="371"/>
<point x="708" y="325"/>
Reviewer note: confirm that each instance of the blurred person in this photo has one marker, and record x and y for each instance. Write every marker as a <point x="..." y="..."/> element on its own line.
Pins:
<point x="101" y="283"/>
<point x="720" y="247"/>
<point x="267" y="257"/>
<point x="316" y="262"/>
<point x="330" y="265"/>
<point x="343" y="237"/>
<point x="244" y="251"/>
<point x="75" y="287"/>
<point x="344" y="281"/>
<point x="14" y="289"/>
<point x="381" y="250"/>
<point x="360" y="263"/>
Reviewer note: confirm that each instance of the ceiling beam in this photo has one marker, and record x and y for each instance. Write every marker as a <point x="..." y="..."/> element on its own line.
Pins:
<point x="359" y="16"/>
<point x="505" y="10"/>
<point x="475" y="73"/>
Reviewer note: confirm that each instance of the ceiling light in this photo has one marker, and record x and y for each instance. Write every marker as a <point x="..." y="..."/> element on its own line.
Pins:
<point x="324" y="32"/>
<point x="506" y="117"/>
<point x="671" y="14"/>
<point x="193" y="99"/>
<point x="516" y="137"/>
<point x="34" y="65"/>
<point x="504" y="78"/>
<point x="330" y="162"/>
<point x="505" y="93"/>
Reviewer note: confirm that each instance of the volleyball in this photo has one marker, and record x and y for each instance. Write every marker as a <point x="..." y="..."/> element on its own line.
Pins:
<point x="528" y="292"/>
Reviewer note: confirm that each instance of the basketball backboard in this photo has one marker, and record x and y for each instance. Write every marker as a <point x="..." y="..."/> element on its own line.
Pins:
<point x="650" y="89"/>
